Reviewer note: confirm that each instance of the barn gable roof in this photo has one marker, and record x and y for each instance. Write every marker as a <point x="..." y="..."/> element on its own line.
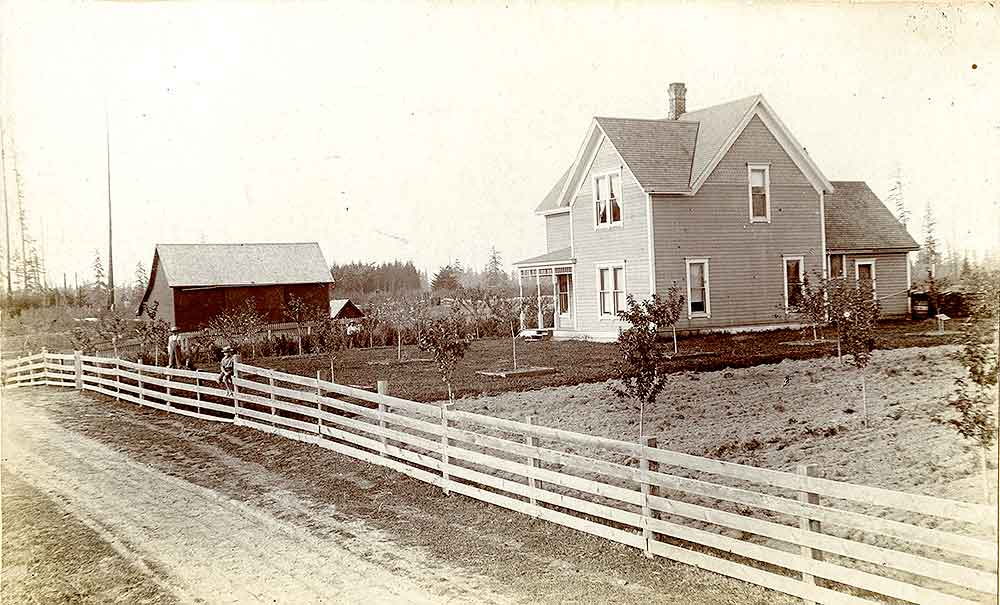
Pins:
<point x="222" y="265"/>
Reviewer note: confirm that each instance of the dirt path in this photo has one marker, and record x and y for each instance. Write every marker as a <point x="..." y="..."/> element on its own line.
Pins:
<point x="185" y="542"/>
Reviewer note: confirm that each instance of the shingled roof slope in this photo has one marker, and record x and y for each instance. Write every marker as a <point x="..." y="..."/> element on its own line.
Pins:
<point x="857" y="220"/>
<point x="190" y="265"/>
<point x="551" y="200"/>
<point x="715" y="125"/>
<point x="658" y="152"/>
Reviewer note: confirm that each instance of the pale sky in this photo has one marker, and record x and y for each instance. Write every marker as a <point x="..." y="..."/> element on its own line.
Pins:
<point x="431" y="131"/>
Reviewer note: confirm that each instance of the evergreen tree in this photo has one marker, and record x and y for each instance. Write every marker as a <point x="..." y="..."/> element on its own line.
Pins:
<point x="930" y="253"/>
<point x="98" y="277"/>
<point x="141" y="279"/>
<point x="495" y="276"/>
<point x="896" y="199"/>
<point x="446" y="279"/>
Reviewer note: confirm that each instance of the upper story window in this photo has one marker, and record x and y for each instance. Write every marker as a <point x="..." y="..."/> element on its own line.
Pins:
<point x="607" y="199"/>
<point x="760" y="193"/>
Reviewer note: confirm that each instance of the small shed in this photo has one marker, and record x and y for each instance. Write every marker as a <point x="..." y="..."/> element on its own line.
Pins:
<point x="192" y="283"/>
<point x="343" y="308"/>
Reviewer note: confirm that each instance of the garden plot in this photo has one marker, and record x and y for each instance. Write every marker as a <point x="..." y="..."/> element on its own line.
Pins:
<point x="782" y="415"/>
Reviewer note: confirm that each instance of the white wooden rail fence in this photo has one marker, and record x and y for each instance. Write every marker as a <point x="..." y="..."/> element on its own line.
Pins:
<point x="861" y="545"/>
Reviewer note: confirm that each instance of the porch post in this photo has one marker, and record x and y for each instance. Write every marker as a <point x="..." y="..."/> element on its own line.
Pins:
<point x="520" y="295"/>
<point x="538" y="287"/>
<point x="555" y="300"/>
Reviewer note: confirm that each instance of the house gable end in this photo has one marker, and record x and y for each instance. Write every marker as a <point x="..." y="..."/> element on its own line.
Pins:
<point x="762" y="110"/>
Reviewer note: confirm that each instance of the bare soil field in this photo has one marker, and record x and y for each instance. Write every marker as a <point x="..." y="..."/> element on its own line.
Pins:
<point x="780" y="415"/>
<point x="576" y="361"/>
<point x="139" y="505"/>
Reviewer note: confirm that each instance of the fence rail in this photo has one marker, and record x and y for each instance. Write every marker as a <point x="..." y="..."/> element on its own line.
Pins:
<point x="860" y="545"/>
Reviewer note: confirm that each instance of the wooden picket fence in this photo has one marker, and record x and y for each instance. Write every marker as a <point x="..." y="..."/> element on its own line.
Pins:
<point x="860" y="545"/>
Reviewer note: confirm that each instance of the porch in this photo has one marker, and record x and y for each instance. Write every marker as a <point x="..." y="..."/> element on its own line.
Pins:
<point x="549" y="278"/>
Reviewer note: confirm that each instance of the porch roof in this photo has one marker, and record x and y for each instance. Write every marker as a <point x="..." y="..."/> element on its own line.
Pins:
<point x="556" y="257"/>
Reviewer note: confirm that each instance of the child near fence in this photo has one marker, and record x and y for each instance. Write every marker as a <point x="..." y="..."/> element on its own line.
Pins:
<point x="228" y="366"/>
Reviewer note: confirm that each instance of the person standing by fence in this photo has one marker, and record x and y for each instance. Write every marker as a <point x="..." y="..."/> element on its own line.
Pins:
<point x="174" y="349"/>
<point x="228" y="367"/>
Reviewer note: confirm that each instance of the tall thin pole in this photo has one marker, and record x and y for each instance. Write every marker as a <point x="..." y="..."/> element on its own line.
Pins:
<point x="111" y="258"/>
<point x="6" y="214"/>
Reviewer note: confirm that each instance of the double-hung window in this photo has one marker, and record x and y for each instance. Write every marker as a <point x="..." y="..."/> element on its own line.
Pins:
<point x="760" y="192"/>
<point x="611" y="288"/>
<point x="607" y="199"/>
<point x="793" y="281"/>
<point x="699" y="304"/>
<point x="838" y="268"/>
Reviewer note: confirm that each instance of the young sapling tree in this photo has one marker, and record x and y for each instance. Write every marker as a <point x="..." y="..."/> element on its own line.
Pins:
<point x="507" y="312"/>
<point x="447" y="341"/>
<point x="238" y="325"/>
<point x="973" y="407"/>
<point x="639" y="366"/>
<point x="298" y="311"/>
<point x="154" y="332"/>
<point x="812" y="302"/>
<point x="855" y="313"/>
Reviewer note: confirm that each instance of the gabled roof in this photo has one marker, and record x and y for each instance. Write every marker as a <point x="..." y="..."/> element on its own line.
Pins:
<point x="561" y="255"/>
<point x="857" y="220"/>
<point x="343" y="308"/>
<point x="551" y="200"/>
<point x="191" y="265"/>
<point x="715" y="125"/>
<point x="657" y="152"/>
<point x="677" y="156"/>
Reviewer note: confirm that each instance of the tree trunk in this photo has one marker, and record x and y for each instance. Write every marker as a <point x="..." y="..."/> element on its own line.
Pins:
<point x="299" y="334"/>
<point x="399" y="345"/>
<point x="814" y="333"/>
<point x="674" y="330"/>
<point x="513" y="345"/>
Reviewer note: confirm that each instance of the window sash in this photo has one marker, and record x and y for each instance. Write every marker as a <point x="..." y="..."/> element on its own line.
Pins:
<point x="697" y="288"/>
<point x="611" y="286"/>
<point x="837" y="266"/>
<point x="793" y="281"/>
<point x="607" y="199"/>
<point x="759" y="202"/>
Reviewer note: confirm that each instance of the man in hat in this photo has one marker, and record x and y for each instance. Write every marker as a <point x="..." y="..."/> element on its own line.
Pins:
<point x="174" y="349"/>
<point x="228" y="367"/>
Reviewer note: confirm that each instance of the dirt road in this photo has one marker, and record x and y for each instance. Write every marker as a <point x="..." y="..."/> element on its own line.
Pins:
<point x="171" y="540"/>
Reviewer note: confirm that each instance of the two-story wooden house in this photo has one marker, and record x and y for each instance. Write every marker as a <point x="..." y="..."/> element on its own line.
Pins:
<point x="722" y="203"/>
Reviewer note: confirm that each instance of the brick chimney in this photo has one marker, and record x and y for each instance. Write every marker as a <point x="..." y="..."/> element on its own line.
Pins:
<point x="677" y="104"/>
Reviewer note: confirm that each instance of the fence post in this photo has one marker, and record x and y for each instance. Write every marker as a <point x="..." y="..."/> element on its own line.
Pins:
<point x="142" y="396"/>
<point x="197" y="391"/>
<point x="807" y="524"/>
<point x="382" y="386"/>
<point x="531" y="441"/>
<point x="45" y="365"/>
<point x="236" y="401"/>
<point x="78" y="369"/>
<point x="445" y="407"/>
<point x="645" y="466"/>
<point x="118" y="380"/>
<point x="270" y="383"/>
<point x="319" y="404"/>
<point x="166" y="399"/>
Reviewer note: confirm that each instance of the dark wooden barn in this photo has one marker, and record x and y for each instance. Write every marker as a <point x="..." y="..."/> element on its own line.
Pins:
<point x="195" y="282"/>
